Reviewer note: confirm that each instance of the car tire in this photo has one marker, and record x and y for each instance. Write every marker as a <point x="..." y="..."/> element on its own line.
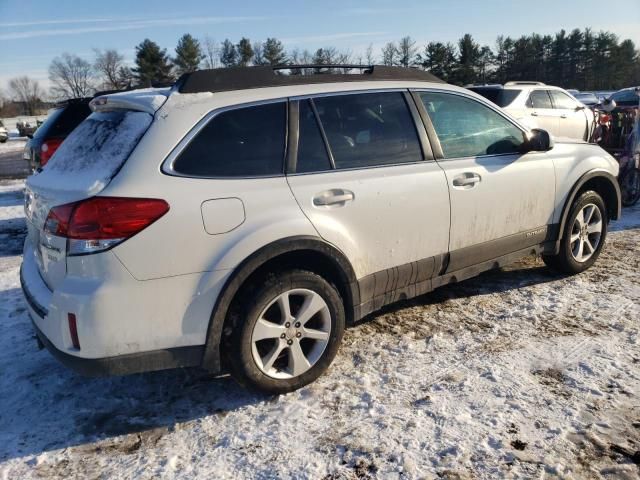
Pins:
<point x="273" y="350"/>
<point x="584" y="234"/>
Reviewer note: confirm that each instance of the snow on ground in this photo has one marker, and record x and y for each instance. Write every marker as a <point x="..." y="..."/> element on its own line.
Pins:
<point x="519" y="373"/>
<point x="13" y="145"/>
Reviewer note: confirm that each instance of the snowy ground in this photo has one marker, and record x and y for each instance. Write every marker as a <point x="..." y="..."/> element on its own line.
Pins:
<point x="517" y="373"/>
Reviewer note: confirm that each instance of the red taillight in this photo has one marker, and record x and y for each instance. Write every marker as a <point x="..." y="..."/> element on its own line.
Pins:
<point x="104" y="218"/>
<point x="73" y="330"/>
<point x="604" y="119"/>
<point x="47" y="150"/>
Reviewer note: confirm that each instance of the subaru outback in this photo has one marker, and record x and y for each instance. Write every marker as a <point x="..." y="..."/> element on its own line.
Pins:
<point x="241" y="219"/>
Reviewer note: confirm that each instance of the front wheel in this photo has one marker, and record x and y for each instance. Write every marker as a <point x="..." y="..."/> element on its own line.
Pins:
<point x="584" y="234"/>
<point x="285" y="331"/>
<point x="630" y="186"/>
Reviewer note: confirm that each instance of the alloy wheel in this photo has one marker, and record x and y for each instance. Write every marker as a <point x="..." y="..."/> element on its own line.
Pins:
<point x="586" y="233"/>
<point x="291" y="334"/>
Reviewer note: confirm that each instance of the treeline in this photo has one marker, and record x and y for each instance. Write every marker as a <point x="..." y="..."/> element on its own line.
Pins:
<point x="580" y="59"/>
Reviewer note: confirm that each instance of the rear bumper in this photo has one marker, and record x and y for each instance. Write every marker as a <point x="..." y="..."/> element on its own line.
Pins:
<point x="47" y="311"/>
<point x="125" y="364"/>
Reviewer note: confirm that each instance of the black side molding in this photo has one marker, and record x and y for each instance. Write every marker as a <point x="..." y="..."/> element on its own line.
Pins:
<point x="125" y="364"/>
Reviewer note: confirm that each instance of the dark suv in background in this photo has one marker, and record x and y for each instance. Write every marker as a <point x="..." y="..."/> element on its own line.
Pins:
<point x="60" y="122"/>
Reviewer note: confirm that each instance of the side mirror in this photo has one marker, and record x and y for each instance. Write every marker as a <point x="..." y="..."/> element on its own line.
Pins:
<point x="539" y="141"/>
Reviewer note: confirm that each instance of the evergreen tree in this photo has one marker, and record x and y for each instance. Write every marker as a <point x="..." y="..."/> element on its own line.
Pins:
<point x="188" y="55"/>
<point x="245" y="52"/>
<point x="273" y="52"/>
<point x="468" y="61"/>
<point x="152" y="64"/>
<point x="439" y="59"/>
<point x="228" y="54"/>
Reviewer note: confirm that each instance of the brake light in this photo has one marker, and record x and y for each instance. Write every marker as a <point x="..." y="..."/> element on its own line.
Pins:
<point x="99" y="223"/>
<point x="604" y="119"/>
<point x="47" y="150"/>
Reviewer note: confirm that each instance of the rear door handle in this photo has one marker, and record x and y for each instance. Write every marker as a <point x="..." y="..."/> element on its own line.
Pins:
<point x="333" y="197"/>
<point x="466" y="180"/>
<point x="534" y="114"/>
<point x="564" y="115"/>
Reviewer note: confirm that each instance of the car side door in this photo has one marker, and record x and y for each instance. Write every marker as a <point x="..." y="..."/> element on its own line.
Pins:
<point x="540" y="108"/>
<point x="572" y="115"/>
<point x="502" y="201"/>
<point x="365" y="177"/>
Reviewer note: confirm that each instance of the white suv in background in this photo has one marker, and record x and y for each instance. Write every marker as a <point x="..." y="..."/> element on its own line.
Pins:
<point x="537" y="105"/>
<point x="240" y="220"/>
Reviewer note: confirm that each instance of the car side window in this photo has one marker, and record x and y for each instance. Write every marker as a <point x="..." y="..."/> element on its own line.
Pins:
<point x="312" y="151"/>
<point x="369" y="129"/>
<point x="242" y="142"/>
<point x="539" y="99"/>
<point x="467" y="128"/>
<point x="562" y="101"/>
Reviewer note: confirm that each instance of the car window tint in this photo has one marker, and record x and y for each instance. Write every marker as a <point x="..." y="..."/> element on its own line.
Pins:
<point x="62" y="121"/>
<point x="369" y="129"/>
<point x="539" y="99"/>
<point x="467" y="128"/>
<point x="501" y="97"/>
<point x="626" y="97"/>
<point x="562" y="101"/>
<point x="247" y="141"/>
<point x="312" y="152"/>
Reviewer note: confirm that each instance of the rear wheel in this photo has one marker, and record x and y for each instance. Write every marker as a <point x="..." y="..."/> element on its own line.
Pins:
<point x="285" y="331"/>
<point x="583" y="237"/>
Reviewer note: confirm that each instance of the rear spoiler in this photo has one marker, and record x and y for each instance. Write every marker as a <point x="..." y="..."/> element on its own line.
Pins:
<point x="146" y="100"/>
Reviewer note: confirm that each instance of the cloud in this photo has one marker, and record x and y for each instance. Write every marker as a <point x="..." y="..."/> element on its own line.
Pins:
<point x="331" y="37"/>
<point x="55" y="22"/>
<point x="128" y="25"/>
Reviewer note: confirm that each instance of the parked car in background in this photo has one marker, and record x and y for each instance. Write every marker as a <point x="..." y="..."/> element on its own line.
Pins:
<point x="60" y="122"/>
<point x="538" y="105"/>
<point x="604" y="94"/>
<point x="589" y="99"/>
<point x="308" y="201"/>
<point x="4" y="134"/>
<point x="25" y="129"/>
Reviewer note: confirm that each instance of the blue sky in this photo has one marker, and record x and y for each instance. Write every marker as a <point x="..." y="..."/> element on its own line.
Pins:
<point x="33" y="32"/>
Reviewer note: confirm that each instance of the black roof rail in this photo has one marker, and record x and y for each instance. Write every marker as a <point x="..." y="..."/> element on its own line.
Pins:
<point x="242" y="78"/>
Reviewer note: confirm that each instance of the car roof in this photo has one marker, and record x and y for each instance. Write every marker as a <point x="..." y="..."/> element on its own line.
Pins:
<point x="245" y="78"/>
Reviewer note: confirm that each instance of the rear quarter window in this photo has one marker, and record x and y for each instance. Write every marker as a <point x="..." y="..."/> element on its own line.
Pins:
<point x="502" y="98"/>
<point x="243" y="142"/>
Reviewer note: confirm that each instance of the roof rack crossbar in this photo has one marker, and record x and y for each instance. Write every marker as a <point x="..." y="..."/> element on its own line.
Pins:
<point x="243" y="78"/>
<point x="320" y="66"/>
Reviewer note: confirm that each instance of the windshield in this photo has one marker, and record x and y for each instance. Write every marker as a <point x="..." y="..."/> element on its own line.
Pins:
<point x="499" y="96"/>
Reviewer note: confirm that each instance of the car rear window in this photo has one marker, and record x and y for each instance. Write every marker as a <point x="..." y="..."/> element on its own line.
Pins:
<point x="61" y="121"/>
<point x="94" y="152"/>
<point x="502" y="98"/>
<point x="243" y="142"/>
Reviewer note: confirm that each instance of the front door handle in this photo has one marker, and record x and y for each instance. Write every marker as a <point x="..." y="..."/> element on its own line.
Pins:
<point x="534" y="114"/>
<point x="333" y="197"/>
<point x="564" y="115"/>
<point x="466" y="180"/>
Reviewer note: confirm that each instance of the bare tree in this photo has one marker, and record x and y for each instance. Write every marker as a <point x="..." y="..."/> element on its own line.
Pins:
<point x="389" y="54"/>
<point x="211" y="53"/>
<point x="407" y="52"/>
<point x="109" y="64"/>
<point x="368" y="55"/>
<point x="26" y="91"/>
<point x="71" y="76"/>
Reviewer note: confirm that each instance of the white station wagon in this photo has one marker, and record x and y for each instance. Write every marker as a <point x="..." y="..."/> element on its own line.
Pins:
<point x="240" y="220"/>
